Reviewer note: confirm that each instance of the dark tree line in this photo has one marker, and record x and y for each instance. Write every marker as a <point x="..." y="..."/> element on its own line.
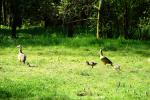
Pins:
<point x="125" y="18"/>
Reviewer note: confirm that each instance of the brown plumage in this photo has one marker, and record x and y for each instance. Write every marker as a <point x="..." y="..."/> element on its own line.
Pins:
<point x="21" y="55"/>
<point x="91" y="63"/>
<point x="104" y="59"/>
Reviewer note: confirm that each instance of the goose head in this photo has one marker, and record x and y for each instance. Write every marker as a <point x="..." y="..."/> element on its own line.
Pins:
<point x="19" y="46"/>
<point x="101" y="52"/>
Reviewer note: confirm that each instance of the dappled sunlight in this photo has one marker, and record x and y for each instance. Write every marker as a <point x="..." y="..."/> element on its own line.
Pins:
<point x="74" y="50"/>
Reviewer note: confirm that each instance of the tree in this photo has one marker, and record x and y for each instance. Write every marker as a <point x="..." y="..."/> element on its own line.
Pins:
<point x="16" y="15"/>
<point x="98" y="17"/>
<point x="75" y="13"/>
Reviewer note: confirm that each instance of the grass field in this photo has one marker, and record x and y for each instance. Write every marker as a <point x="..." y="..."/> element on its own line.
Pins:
<point x="60" y="71"/>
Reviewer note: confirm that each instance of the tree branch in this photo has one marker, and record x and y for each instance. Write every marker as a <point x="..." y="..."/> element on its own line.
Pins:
<point x="82" y="20"/>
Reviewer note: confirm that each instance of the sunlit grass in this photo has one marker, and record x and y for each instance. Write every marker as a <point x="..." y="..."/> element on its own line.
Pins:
<point x="60" y="70"/>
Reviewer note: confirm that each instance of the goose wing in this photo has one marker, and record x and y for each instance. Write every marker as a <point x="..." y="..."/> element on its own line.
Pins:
<point x="106" y="60"/>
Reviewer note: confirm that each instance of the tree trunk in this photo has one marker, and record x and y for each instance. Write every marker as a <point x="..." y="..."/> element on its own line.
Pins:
<point x="97" y="32"/>
<point x="46" y="22"/>
<point x="70" y="29"/>
<point x="98" y="17"/>
<point x="14" y="22"/>
<point x="14" y="25"/>
<point x="126" y="21"/>
<point x="3" y="13"/>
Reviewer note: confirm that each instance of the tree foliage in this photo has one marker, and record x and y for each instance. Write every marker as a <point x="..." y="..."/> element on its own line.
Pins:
<point x="125" y="18"/>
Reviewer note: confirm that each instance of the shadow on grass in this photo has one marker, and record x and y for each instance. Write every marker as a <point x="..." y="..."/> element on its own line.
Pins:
<point x="37" y="36"/>
<point x="5" y="94"/>
<point x="143" y="53"/>
<point x="30" y="31"/>
<point x="55" y="97"/>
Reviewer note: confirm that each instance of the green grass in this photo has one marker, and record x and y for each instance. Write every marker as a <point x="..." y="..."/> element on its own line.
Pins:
<point x="60" y="70"/>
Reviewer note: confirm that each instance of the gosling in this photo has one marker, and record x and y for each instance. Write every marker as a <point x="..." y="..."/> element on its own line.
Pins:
<point x="91" y="63"/>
